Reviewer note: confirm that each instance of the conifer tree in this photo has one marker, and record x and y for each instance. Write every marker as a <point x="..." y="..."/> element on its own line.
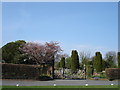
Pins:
<point x="118" y="59"/>
<point x="62" y="64"/>
<point x="98" y="62"/>
<point x="74" y="61"/>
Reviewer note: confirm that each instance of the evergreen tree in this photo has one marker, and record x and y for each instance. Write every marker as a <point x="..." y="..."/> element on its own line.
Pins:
<point x="62" y="64"/>
<point x="104" y="64"/>
<point x="11" y="50"/>
<point x="74" y="61"/>
<point x="98" y="62"/>
<point x="68" y="62"/>
<point x="118" y="59"/>
<point x="111" y="59"/>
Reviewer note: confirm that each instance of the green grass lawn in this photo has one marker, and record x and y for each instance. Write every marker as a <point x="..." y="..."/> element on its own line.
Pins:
<point x="99" y="87"/>
<point x="91" y="86"/>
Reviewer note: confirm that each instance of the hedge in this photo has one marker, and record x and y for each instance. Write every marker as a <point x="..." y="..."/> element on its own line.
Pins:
<point x="113" y="73"/>
<point x="21" y="71"/>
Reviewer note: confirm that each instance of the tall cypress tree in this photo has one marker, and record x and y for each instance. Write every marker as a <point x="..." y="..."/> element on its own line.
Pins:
<point x="118" y="59"/>
<point x="74" y="61"/>
<point x="62" y="64"/>
<point x="98" y="62"/>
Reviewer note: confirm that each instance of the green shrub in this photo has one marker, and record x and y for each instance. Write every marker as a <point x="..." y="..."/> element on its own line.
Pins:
<point x="113" y="73"/>
<point x="44" y="77"/>
<point x="101" y="76"/>
<point x="89" y="70"/>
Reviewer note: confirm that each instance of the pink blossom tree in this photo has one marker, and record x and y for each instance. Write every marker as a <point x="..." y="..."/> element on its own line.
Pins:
<point x="41" y="53"/>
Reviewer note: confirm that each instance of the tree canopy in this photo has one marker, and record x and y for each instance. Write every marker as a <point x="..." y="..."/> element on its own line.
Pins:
<point x="111" y="59"/>
<point x="68" y="62"/>
<point x="11" y="50"/>
<point x="41" y="53"/>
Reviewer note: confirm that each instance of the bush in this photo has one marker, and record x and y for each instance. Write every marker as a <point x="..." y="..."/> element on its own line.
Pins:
<point x="21" y="71"/>
<point x="101" y="76"/>
<point x="89" y="70"/>
<point x="113" y="73"/>
<point x="44" y="78"/>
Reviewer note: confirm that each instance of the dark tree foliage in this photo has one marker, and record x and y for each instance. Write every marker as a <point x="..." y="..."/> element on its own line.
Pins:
<point x="111" y="59"/>
<point x="90" y="62"/>
<point x="118" y="59"/>
<point x="57" y="65"/>
<point x="68" y="62"/>
<point x="104" y="65"/>
<point x="89" y="70"/>
<point x="62" y="64"/>
<point x="74" y="61"/>
<point x="24" y="59"/>
<point x="98" y="62"/>
<point x="11" y="51"/>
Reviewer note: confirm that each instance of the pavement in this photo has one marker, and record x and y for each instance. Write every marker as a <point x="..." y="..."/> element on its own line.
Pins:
<point x="57" y="82"/>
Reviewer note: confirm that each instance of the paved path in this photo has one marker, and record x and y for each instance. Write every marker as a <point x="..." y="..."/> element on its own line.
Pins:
<point x="57" y="82"/>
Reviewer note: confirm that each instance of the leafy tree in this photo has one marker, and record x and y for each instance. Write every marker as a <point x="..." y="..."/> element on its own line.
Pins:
<point x="111" y="59"/>
<point x="24" y="59"/>
<point x="98" y="62"/>
<point x="90" y="62"/>
<point x="84" y="57"/>
<point x="104" y="64"/>
<point x="68" y="62"/>
<point x="57" y="65"/>
<point x="118" y="59"/>
<point x="89" y="70"/>
<point x="74" y="61"/>
<point x="60" y="55"/>
<point x="11" y="50"/>
<point x="62" y="64"/>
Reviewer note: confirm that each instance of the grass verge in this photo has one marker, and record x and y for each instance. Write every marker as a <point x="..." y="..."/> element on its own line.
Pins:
<point x="90" y="86"/>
